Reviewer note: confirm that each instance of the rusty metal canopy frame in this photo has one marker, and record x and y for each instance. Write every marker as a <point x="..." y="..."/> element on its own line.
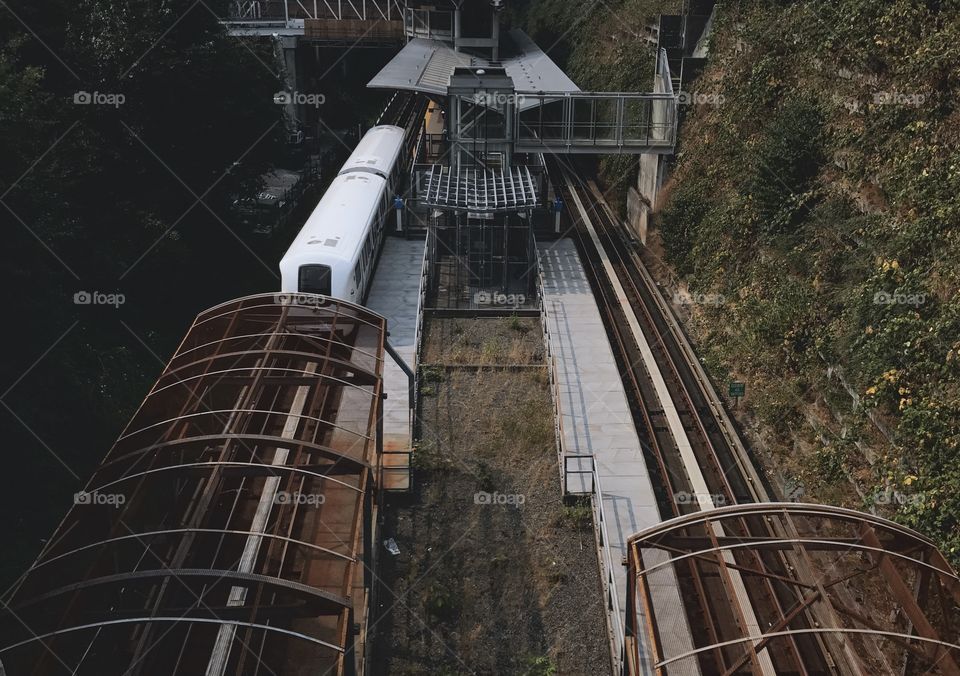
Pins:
<point x="228" y="530"/>
<point x="854" y="594"/>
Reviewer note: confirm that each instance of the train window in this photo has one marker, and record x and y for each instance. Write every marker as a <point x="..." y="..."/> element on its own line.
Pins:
<point x="314" y="279"/>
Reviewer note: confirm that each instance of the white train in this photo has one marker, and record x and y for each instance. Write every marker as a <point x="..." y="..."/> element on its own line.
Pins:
<point x="336" y="250"/>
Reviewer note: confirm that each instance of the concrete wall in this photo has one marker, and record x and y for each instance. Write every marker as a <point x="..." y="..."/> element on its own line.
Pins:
<point x="642" y="199"/>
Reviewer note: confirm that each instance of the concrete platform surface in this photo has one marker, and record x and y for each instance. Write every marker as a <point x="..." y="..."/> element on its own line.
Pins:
<point x="596" y="421"/>
<point x="395" y="294"/>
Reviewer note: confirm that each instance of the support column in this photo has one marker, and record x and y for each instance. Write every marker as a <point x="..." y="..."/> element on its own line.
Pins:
<point x="456" y="27"/>
<point x="286" y="48"/>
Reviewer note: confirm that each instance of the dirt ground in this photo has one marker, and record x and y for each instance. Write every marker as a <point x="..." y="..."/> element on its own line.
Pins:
<point x="495" y="574"/>
<point x="513" y="340"/>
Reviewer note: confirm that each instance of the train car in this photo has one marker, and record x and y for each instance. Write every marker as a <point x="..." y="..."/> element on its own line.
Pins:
<point x="336" y="250"/>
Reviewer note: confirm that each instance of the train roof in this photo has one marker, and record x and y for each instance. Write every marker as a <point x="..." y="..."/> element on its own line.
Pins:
<point x="338" y="225"/>
<point x="377" y="151"/>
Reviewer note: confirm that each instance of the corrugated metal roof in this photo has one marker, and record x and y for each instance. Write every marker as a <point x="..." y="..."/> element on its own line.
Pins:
<point x="480" y="190"/>
<point x="532" y="70"/>
<point x="426" y="66"/>
<point x="422" y="65"/>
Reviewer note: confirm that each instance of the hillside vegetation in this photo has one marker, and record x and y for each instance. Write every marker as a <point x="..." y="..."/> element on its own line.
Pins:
<point x="816" y="203"/>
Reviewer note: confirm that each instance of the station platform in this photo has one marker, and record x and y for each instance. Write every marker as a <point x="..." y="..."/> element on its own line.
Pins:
<point x="601" y="450"/>
<point x="395" y="294"/>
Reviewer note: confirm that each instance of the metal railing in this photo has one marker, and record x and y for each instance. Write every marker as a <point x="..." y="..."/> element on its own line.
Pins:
<point x="551" y="374"/>
<point x="579" y="469"/>
<point x="428" y="23"/>
<point x="418" y="335"/>
<point x="596" y="121"/>
<point x="339" y="10"/>
<point x="591" y="122"/>
<point x="402" y="471"/>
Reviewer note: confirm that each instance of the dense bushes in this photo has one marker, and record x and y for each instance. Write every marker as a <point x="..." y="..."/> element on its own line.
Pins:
<point x="783" y="165"/>
<point x="842" y="294"/>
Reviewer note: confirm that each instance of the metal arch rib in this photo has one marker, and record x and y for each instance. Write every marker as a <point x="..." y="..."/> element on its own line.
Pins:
<point x="224" y="373"/>
<point x="283" y="468"/>
<point x="282" y="442"/>
<point x="272" y="334"/>
<point x="822" y="630"/>
<point x="326" y="598"/>
<point x="773" y="509"/>
<point x="330" y="308"/>
<point x="170" y="531"/>
<point x="310" y="356"/>
<point x="330" y="302"/>
<point x="139" y="620"/>
<point x="198" y="414"/>
<point x="852" y="546"/>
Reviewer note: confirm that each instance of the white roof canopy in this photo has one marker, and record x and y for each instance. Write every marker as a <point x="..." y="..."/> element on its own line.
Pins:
<point x="426" y="66"/>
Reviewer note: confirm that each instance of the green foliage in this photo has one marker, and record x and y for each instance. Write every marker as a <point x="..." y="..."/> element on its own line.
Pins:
<point x="680" y="222"/>
<point x="430" y="379"/>
<point x="829" y="464"/>
<point x="518" y="325"/>
<point x="442" y="602"/>
<point x="578" y="515"/>
<point x="785" y="160"/>
<point x="540" y="665"/>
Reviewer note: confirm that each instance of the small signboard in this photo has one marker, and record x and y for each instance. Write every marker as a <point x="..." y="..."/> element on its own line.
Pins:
<point x="738" y="389"/>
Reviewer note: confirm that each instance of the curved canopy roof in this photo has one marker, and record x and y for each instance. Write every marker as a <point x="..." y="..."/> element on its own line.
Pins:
<point x="835" y="590"/>
<point x="227" y="526"/>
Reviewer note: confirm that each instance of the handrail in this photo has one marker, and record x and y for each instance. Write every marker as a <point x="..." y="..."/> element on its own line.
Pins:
<point x="290" y="10"/>
<point x="551" y="373"/>
<point x="618" y="631"/>
<point x="418" y="332"/>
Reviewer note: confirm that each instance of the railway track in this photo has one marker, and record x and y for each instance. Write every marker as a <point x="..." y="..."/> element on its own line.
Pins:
<point x="687" y="437"/>
<point x="404" y="109"/>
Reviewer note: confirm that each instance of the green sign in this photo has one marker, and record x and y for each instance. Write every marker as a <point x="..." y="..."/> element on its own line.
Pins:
<point x="738" y="389"/>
